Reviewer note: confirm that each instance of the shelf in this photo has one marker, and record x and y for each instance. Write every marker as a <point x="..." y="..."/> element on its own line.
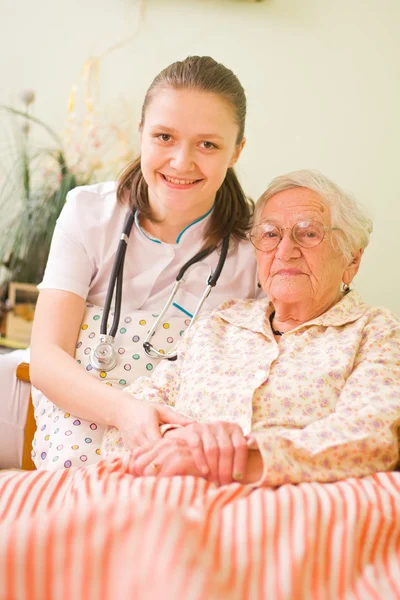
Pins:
<point x="15" y="345"/>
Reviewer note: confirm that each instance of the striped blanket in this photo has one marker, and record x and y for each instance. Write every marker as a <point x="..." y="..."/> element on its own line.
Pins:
<point x="99" y="533"/>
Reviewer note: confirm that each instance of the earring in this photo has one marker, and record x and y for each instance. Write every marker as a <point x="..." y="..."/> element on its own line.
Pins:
<point x="346" y="288"/>
<point x="258" y="284"/>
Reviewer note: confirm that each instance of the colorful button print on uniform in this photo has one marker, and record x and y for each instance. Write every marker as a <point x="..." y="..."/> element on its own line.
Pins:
<point x="51" y="448"/>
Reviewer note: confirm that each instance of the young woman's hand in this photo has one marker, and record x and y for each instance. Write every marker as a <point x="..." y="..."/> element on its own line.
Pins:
<point x="139" y="421"/>
<point x="220" y="447"/>
<point x="165" y="458"/>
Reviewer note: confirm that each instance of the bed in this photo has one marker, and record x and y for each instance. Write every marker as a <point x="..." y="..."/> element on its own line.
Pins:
<point x="99" y="532"/>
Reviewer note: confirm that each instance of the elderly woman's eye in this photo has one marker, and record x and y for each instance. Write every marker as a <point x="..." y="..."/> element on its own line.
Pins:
<point x="269" y="235"/>
<point x="309" y="232"/>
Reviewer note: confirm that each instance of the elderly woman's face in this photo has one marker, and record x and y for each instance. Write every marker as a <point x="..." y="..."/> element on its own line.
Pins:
<point x="291" y="273"/>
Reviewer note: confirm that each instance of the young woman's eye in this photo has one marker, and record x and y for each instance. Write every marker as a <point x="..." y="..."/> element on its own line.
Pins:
<point x="208" y="145"/>
<point x="164" y="137"/>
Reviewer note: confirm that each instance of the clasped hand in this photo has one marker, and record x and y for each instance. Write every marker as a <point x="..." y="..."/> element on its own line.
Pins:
<point x="215" y="451"/>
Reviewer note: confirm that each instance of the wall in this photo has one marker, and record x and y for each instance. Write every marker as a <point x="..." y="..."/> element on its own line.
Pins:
<point x="321" y="77"/>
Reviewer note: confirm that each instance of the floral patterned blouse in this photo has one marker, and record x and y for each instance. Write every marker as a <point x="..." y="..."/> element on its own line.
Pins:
<point x="322" y="402"/>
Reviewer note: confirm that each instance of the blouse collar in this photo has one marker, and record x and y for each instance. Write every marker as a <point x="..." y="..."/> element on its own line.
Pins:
<point x="254" y="314"/>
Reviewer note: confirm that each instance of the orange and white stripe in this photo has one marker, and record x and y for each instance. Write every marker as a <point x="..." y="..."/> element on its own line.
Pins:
<point x="100" y="533"/>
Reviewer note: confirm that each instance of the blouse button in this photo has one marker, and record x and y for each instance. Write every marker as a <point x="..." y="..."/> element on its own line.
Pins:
<point x="260" y="374"/>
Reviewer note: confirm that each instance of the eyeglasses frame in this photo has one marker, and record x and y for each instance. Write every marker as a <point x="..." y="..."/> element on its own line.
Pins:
<point x="283" y="229"/>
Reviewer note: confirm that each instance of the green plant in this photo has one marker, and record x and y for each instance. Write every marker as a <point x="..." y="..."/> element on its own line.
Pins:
<point x="25" y="237"/>
<point x="37" y="183"/>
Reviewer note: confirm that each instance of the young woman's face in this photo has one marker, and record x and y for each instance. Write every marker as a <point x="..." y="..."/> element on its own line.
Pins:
<point x="188" y="141"/>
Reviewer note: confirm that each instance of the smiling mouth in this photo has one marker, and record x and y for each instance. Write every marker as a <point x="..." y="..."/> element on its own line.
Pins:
<point x="176" y="181"/>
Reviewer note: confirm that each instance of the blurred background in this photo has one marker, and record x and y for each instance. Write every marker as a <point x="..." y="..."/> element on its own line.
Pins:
<point x="323" y="85"/>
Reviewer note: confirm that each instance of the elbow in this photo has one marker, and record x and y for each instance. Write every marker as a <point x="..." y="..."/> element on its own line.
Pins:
<point x="35" y="372"/>
<point x="39" y="365"/>
<point x="42" y="357"/>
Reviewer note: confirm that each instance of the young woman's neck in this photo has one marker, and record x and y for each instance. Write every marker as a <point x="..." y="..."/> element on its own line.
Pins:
<point x="164" y="231"/>
<point x="171" y="225"/>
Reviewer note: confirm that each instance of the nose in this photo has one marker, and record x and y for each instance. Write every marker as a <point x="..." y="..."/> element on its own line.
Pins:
<point x="182" y="159"/>
<point x="287" y="248"/>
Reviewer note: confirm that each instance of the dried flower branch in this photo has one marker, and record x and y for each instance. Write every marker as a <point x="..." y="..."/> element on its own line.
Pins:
<point x="90" y="150"/>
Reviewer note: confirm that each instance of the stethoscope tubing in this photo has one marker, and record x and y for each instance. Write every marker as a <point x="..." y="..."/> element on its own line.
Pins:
<point x="212" y="281"/>
<point x="103" y="357"/>
<point x="116" y="278"/>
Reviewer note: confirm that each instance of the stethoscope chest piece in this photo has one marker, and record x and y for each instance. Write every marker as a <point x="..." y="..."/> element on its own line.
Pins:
<point x="103" y="356"/>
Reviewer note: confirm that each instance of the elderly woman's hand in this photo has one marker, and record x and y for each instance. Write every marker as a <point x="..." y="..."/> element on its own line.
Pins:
<point x="166" y="458"/>
<point x="220" y="446"/>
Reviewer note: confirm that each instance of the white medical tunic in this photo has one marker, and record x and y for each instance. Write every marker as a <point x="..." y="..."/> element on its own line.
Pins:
<point x="84" y="246"/>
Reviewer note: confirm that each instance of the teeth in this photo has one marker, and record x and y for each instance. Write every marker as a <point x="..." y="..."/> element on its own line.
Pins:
<point x="179" y="181"/>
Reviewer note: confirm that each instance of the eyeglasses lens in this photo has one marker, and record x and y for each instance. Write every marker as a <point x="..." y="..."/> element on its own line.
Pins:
<point x="308" y="234"/>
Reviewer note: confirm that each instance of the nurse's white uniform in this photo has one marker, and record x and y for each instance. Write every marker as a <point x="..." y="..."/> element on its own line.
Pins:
<point x="84" y="246"/>
<point x="83" y="251"/>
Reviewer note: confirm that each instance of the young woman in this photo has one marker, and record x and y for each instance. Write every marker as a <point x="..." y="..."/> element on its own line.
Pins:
<point x="185" y="197"/>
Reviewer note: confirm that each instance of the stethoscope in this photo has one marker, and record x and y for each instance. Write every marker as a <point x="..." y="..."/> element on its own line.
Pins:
<point x="103" y="357"/>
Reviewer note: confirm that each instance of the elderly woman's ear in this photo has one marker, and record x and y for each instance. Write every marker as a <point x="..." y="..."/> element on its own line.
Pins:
<point x="352" y="268"/>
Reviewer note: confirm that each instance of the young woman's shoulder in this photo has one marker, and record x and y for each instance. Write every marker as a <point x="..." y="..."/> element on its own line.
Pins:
<point x="85" y="238"/>
<point x="97" y="202"/>
<point x="92" y="214"/>
<point x="95" y="191"/>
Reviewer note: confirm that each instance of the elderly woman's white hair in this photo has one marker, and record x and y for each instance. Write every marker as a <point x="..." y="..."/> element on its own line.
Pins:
<point x="346" y="213"/>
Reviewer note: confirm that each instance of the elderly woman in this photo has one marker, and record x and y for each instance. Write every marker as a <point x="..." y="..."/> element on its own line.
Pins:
<point x="304" y="386"/>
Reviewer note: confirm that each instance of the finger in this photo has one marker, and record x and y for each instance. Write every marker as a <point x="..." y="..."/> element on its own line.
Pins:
<point x="152" y="469"/>
<point x="226" y="452"/>
<point x="147" y="457"/>
<point x="195" y="443"/>
<point x="159" y="461"/>
<point x="156" y="454"/>
<point x="151" y="431"/>
<point x="168" y="415"/>
<point x="250" y="439"/>
<point x="240" y="454"/>
<point x="145" y="436"/>
<point x="137" y="442"/>
<point x="211" y="451"/>
<point x="179" y="463"/>
<point x="139" y="450"/>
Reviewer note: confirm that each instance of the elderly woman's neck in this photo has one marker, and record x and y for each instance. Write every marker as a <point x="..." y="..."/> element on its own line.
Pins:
<point x="289" y="315"/>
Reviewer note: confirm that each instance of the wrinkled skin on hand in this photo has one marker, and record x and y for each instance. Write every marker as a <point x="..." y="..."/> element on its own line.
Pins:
<point x="216" y="451"/>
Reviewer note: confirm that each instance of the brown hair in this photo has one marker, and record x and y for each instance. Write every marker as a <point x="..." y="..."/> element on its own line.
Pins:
<point x="232" y="210"/>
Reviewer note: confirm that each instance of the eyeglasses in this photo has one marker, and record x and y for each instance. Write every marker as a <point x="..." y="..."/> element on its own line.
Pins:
<point x="307" y="234"/>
